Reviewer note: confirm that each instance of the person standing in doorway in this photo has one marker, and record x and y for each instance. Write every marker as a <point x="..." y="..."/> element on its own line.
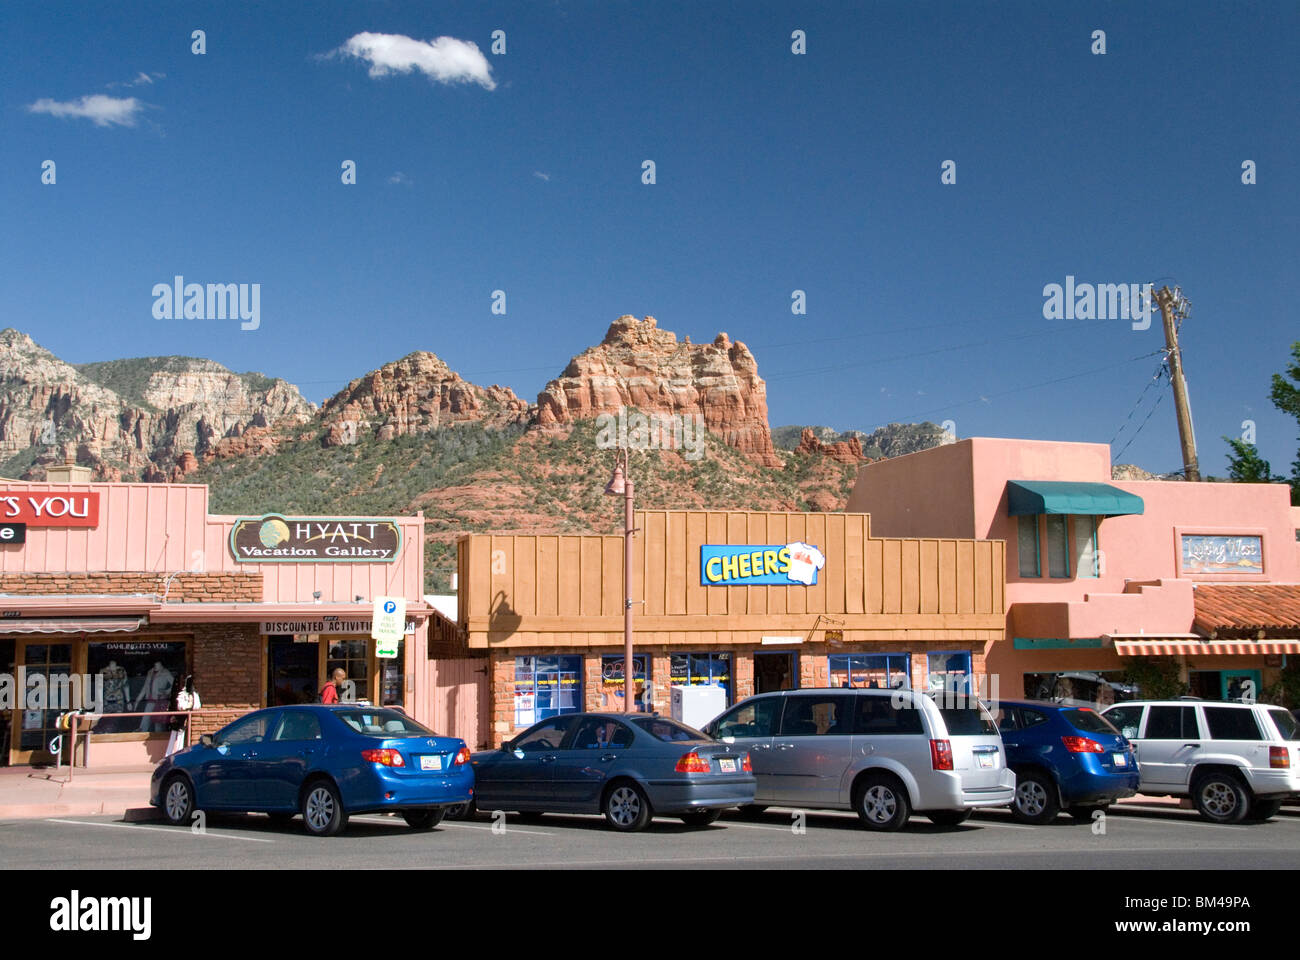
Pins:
<point x="330" y="692"/>
<point x="187" y="698"/>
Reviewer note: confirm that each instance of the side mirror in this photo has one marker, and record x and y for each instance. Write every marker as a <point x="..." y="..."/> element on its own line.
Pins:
<point x="206" y="740"/>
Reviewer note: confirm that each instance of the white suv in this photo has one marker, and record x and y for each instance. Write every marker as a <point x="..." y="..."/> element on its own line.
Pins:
<point x="1236" y="761"/>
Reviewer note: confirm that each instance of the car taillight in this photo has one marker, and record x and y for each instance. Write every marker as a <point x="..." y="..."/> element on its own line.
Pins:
<point x="1279" y="757"/>
<point x="1082" y="745"/>
<point x="692" y="763"/>
<point x="941" y="754"/>
<point x="386" y="756"/>
<point x="461" y="757"/>
<point x="746" y="765"/>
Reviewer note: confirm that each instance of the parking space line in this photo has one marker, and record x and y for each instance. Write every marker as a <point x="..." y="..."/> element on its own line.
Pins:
<point x="171" y="830"/>
<point x="754" y="826"/>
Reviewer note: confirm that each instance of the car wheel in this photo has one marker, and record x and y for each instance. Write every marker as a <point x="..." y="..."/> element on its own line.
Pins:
<point x="1220" y="797"/>
<point x="700" y="818"/>
<point x="626" y="807"/>
<point x="752" y="811"/>
<point x="1036" y="800"/>
<point x="178" y="800"/>
<point x="424" y="819"/>
<point x="882" y="802"/>
<point x="322" y="809"/>
<point x="462" y="811"/>
<point x="948" y="818"/>
<point x="1263" y="809"/>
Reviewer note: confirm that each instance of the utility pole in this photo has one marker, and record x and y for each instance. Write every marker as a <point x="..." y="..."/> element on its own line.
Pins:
<point x="1174" y="306"/>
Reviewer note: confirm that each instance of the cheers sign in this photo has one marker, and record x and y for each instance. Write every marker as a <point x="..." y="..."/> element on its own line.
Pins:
<point x="49" y="509"/>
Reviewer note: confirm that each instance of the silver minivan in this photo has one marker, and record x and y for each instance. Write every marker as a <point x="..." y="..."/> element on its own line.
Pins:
<point x="883" y="753"/>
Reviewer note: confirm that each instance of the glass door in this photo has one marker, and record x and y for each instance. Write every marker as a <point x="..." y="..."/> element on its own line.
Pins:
<point x="776" y="671"/>
<point x="33" y="729"/>
<point x="292" y="672"/>
<point x="1239" y="685"/>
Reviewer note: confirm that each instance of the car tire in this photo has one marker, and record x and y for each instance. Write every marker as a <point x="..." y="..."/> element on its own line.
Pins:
<point x="700" y="818"/>
<point x="462" y="811"/>
<point x="177" y="796"/>
<point x="1220" y="797"/>
<point x="948" y="818"/>
<point x="882" y="802"/>
<point x="1263" y="809"/>
<point x="322" y="809"/>
<point x="626" y="807"/>
<point x="1036" y="799"/>
<point x="752" y="811"/>
<point x="425" y="819"/>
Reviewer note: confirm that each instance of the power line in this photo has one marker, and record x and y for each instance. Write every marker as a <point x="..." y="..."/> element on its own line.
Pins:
<point x="1155" y="378"/>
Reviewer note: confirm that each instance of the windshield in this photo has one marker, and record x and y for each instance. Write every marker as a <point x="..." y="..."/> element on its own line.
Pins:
<point x="1089" y="721"/>
<point x="669" y="731"/>
<point x="381" y="722"/>
<point x="972" y="721"/>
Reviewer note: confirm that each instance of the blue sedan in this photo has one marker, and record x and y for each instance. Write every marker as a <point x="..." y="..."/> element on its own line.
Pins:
<point x="1064" y="756"/>
<point x="630" y="767"/>
<point x="324" y="762"/>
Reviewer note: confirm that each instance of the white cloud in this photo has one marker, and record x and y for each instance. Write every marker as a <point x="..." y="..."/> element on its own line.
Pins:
<point x="400" y="177"/>
<point x="141" y="79"/>
<point x="103" y="110"/>
<point x="445" y="59"/>
<point x="542" y="176"/>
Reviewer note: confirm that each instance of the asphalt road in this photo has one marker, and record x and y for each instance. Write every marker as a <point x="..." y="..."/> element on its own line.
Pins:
<point x="1139" y="839"/>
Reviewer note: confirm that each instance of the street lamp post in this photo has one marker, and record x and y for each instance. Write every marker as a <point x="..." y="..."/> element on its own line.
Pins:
<point x="620" y="484"/>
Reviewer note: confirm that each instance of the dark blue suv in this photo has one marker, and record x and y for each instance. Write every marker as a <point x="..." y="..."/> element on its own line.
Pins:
<point x="1064" y="757"/>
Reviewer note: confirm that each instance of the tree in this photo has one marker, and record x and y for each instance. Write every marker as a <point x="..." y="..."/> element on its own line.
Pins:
<point x="1245" y="464"/>
<point x="1286" y="397"/>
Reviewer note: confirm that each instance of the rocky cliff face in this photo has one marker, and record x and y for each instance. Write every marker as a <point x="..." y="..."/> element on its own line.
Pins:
<point x="842" y="451"/>
<point x="151" y="418"/>
<point x="414" y="395"/>
<point x="638" y="365"/>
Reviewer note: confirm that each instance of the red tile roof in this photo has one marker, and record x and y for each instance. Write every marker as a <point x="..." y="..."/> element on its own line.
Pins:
<point x="1225" y="609"/>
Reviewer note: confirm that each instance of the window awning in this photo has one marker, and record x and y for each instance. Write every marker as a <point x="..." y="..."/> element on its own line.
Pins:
<point x="1164" y="647"/>
<point x="1027" y="497"/>
<point x="73" y="625"/>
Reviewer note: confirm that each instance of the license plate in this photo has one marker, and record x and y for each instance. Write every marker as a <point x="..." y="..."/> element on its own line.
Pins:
<point x="728" y="766"/>
<point x="987" y="759"/>
<point x="1120" y="760"/>
<point x="431" y="763"/>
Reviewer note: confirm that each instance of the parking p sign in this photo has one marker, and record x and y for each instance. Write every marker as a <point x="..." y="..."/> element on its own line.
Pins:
<point x="387" y="624"/>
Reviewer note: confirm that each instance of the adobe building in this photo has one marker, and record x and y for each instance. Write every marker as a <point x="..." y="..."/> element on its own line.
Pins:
<point x="746" y="601"/>
<point x="1204" y="577"/>
<point x="134" y="586"/>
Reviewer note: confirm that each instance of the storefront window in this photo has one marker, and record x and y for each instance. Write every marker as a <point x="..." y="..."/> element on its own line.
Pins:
<point x="1027" y="546"/>
<point x="948" y="671"/>
<point x="701" y="669"/>
<point x="138" y="676"/>
<point x="546" y="687"/>
<point x="884" y="671"/>
<point x="611" y="680"/>
<point x="1081" y="688"/>
<point x="47" y="660"/>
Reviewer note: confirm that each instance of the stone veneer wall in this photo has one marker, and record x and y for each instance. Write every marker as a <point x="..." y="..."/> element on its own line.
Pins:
<point x="185" y="588"/>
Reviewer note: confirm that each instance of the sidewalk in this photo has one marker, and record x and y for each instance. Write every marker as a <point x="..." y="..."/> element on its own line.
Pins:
<point x="32" y="792"/>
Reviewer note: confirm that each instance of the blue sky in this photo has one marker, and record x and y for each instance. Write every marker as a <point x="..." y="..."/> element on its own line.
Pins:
<point x="775" y="172"/>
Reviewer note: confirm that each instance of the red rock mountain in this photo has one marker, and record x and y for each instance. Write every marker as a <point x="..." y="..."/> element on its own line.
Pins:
<point x="414" y="395"/>
<point x="638" y="365"/>
<point x="842" y="451"/>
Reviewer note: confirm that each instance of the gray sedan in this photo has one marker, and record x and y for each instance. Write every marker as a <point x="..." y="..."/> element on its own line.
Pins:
<point x="630" y="767"/>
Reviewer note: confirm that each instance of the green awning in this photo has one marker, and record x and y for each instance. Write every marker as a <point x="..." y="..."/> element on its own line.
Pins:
<point x="1026" y="497"/>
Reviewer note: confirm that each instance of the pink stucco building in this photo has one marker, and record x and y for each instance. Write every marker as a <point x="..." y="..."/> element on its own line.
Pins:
<point x="1203" y="575"/>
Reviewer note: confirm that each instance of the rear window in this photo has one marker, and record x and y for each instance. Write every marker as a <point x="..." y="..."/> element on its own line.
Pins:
<point x="1232" y="723"/>
<point x="1089" y="721"/>
<point x="972" y="721"/>
<point x="382" y="723"/>
<point x="670" y="731"/>
<point x="1286" y="724"/>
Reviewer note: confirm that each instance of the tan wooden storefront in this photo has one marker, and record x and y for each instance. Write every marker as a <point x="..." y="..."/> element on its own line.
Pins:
<point x="523" y="596"/>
